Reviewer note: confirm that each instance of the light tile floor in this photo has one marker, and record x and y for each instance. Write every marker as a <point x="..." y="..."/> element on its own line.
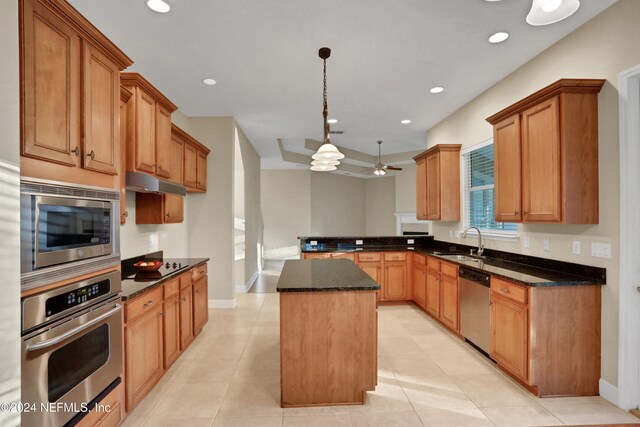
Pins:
<point x="230" y="376"/>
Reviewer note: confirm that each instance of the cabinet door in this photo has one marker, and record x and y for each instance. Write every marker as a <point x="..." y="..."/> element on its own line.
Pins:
<point x="186" y="317"/>
<point x="190" y="173"/>
<point x="101" y="123"/>
<point x="449" y="301"/>
<point x="374" y="269"/>
<point x="176" y="159"/>
<point x="171" y="330"/>
<point x="123" y="160"/>
<point x="421" y="188"/>
<point x="433" y="186"/>
<point x="432" y="304"/>
<point x="143" y="355"/>
<point x="145" y="140"/>
<point x="419" y="285"/>
<point x="200" y="304"/>
<point x="509" y="337"/>
<point x="173" y="208"/>
<point x="395" y="281"/>
<point x="541" y="162"/>
<point x="507" y="160"/>
<point x="202" y="170"/>
<point x="164" y="150"/>
<point x="51" y="86"/>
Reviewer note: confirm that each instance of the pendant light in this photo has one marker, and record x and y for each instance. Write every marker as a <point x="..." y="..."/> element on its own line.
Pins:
<point x="545" y="12"/>
<point x="327" y="156"/>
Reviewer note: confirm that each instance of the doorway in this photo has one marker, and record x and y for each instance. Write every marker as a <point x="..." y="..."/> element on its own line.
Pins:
<point x="629" y="337"/>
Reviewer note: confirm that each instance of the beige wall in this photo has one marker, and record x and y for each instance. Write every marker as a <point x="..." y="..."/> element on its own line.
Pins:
<point x="286" y="207"/>
<point x="406" y="188"/>
<point x="9" y="212"/>
<point x="602" y="48"/>
<point x="380" y="206"/>
<point x="337" y="205"/>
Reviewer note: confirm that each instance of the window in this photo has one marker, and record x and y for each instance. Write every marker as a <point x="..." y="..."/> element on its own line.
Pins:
<point x="478" y="191"/>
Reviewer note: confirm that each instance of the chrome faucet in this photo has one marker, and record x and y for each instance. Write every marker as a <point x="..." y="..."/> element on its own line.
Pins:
<point x="480" y="246"/>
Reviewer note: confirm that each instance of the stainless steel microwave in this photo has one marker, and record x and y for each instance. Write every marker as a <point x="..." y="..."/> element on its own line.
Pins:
<point x="62" y="223"/>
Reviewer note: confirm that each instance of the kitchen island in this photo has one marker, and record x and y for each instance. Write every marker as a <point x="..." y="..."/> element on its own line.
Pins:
<point x="328" y="333"/>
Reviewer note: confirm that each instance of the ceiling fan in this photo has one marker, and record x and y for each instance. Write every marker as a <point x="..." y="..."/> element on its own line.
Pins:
<point x="379" y="168"/>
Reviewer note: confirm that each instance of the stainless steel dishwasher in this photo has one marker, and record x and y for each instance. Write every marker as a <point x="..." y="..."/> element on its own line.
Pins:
<point x="474" y="308"/>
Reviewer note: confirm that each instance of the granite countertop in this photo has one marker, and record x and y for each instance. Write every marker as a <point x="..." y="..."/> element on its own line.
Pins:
<point x="132" y="288"/>
<point x="323" y="275"/>
<point x="365" y="248"/>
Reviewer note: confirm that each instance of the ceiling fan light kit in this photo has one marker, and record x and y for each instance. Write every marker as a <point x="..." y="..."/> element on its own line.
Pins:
<point x="327" y="153"/>
<point x="546" y="12"/>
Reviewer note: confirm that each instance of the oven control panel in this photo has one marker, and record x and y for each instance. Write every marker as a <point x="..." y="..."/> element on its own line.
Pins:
<point x="62" y="302"/>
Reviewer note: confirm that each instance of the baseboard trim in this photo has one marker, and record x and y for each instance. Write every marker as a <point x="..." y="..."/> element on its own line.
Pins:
<point x="222" y="303"/>
<point x="608" y="391"/>
<point x="243" y="289"/>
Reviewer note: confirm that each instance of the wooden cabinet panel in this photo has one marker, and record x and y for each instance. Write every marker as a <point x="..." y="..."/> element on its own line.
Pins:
<point x="395" y="281"/>
<point x="395" y="256"/>
<point x="432" y="303"/>
<point x="125" y="95"/>
<point x="202" y="170"/>
<point x="51" y="86"/>
<point x="186" y="314"/>
<point x="159" y="208"/>
<point x="321" y="255"/>
<point x="419" y="285"/>
<point x="507" y="179"/>
<point x="96" y="418"/>
<point x="509" y="337"/>
<point x="144" y="144"/>
<point x="541" y="162"/>
<point x="173" y="208"/>
<point x="433" y="186"/>
<point x="171" y="330"/>
<point x="142" y="304"/>
<point x="163" y="147"/>
<point x="101" y="94"/>
<point x="509" y="290"/>
<point x="200" y="304"/>
<point x="370" y="257"/>
<point x="449" y="301"/>
<point x="374" y="269"/>
<point x="350" y="256"/>
<point x="175" y="162"/>
<point x="143" y="355"/>
<point x="190" y="173"/>
<point x="421" y="188"/>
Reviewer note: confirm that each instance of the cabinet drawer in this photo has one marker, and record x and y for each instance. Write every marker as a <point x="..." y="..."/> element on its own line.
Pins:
<point x="185" y="280"/>
<point x="510" y="290"/>
<point x="447" y="269"/>
<point x="341" y="255"/>
<point x="370" y="257"/>
<point x="395" y="256"/>
<point x="419" y="259"/>
<point x="142" y="304"/>
<point x="172" y="287"/>
<point x="433" y="263"/>
<point x="198" y="272"/>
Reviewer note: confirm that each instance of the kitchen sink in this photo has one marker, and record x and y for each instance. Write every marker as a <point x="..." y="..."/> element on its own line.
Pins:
<point x="457" y="257"/>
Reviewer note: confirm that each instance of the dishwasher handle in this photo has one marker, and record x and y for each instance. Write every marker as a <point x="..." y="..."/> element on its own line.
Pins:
<point x="475" y="276"/>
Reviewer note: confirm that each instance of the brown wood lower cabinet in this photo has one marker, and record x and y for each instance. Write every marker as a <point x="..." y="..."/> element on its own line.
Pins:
<point x="509" y="326"/>
<point x="419" y="284"/>
<point x="159" y="208"/>
<point x="111" y="418"/>
<point x="432" y="294"/>
<point x="171" y="322"/>
<point x="449" y="297"/>
<point x="186" y="311"/>
<point x="200" y="304"/>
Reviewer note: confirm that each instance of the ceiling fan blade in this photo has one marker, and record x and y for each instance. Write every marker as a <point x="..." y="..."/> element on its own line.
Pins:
<point x="393" y="168"/>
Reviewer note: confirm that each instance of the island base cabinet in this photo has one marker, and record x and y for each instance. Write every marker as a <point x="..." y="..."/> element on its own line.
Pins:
<point x="328" y="347"/>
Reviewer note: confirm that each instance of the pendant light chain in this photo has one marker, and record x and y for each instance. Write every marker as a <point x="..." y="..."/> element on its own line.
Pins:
<point x="325" y="112"/>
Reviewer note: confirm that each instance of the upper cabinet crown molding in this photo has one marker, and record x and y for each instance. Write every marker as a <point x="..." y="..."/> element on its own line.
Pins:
<point x="125" y="94"/>
<point x="189" y="139"/>
<point x="136" y="79"/>
<point x="561" y="86"/>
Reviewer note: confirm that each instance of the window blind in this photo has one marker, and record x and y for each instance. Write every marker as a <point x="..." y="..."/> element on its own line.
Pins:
<point x="478" y="191"/>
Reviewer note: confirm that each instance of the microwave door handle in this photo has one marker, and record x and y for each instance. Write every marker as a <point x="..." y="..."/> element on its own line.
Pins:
<point x="64" y="336"/>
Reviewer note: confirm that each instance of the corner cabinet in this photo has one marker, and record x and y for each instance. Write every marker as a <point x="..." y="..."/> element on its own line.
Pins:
<point x="546" y="155"/>
<point x="438" y="183"/>
<point x="70" y="82"/>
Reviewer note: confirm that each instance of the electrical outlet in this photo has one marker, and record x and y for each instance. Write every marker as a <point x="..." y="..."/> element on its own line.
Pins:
<point x="526" y="241"/>
<point x="314" y="243"/>
<point x="358" y="242"/>
<point x="600" y="250"/>
<point x="546" y="245"/>
<point x="409" y="241"/>
<point x="576" y="247"/>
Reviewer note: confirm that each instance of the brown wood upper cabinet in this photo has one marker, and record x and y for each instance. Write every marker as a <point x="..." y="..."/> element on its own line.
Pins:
<point x="154" y="208"/>
<point x="438" y="183"/>
<point x="546" y="155"/>
<point x="71" y="86"/>
<point x="194" y="166"/>
<point x="125" y="95"/>
<point x="149" y="129"/>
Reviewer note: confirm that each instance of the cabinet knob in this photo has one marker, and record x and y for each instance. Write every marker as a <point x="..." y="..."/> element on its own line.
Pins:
<point x="76" y="151"/>
<point x="516" y="212"/>
<point x="526" y="213"/>
<point x="92" y="155"/>
<point x="126" y="214"/>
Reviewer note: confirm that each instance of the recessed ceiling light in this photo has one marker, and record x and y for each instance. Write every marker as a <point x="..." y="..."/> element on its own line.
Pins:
<point x="436" y="89"/>
<point x="159" y="6"/>
<point x="209" y="82"/>
<point x="498" y="37"/>
<point x="405" y="121"/>
<point x="332" y="121"/>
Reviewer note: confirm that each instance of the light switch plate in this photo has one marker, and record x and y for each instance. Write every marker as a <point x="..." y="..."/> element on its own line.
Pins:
<point x="576" y="247"/>
<point x="526" y="240"/>
<point x="409" y="241"/>
<point x="358" y="242"/>
<point x="600" y="250"/>
<point x="546" y="245"/>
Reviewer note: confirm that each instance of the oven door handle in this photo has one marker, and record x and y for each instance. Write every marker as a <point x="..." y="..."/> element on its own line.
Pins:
<point x="64" y="336"/>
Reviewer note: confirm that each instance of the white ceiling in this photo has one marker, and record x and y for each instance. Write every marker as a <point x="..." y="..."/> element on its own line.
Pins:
<point x="385" y="57"/>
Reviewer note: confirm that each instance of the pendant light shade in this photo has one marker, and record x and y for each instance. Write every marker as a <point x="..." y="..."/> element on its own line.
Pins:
<point x="545" y="12"/>
<point x="325" y="163"/>
<point x="328" y="151"/>
<point x="323" y="168"/>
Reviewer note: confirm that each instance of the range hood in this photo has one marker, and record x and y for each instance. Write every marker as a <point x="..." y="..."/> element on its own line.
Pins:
<point x="145" y="183"/>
